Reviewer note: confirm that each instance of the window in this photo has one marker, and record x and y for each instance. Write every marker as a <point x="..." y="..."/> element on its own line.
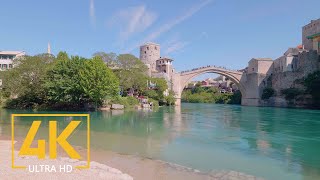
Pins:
<point x="147" y="48"/>
<point x="252" y="69"/>
<point x="4" y="66"/>
<point x="155" y="47"/>
<point x="145" y="52"/>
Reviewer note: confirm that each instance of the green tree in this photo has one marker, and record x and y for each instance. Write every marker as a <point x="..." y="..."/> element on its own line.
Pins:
<point x="78" y="81"/>
<point x="210" y="95"/>
<point x="110" y="59"/>
<point x="24" y="83"/>
<point x="62" y="55"/>
<point x="312" y="83"/>
<point x="267" y="93"/>
<point x="63" y="82"/>
<point x="170" y="99"/>
<point x="98" y="81"/>
<point x="132" y="73"/>
<point x="161" y="87"/>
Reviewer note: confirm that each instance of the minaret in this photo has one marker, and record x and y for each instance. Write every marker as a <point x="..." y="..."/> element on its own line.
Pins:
<point x="49" y="48"/>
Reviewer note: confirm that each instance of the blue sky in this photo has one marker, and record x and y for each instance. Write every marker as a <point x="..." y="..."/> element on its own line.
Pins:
<point x="193" y="32"/>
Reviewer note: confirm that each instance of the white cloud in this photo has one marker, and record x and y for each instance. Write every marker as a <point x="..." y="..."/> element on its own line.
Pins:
<point x="92" y="13"/>
<point x="204" y="34"/>
<point x="174" y="45"/>
<point x="169" y="25"/>
<point x="132" y="20"/>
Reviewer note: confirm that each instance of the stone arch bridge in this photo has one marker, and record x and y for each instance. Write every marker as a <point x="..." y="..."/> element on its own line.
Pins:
<point x="249" y="85"/>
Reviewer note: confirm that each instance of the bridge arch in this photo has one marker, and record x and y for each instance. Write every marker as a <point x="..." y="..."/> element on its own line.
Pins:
<point x="186" y="76"/>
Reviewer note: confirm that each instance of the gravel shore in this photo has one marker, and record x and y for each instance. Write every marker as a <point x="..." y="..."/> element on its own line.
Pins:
<point x="122" y="165"/>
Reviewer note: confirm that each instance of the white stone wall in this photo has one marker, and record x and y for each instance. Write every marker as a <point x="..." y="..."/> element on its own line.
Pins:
<point x="312" y="28"/>
<point x="252" y="66"/>
<point x="261" y="66"/>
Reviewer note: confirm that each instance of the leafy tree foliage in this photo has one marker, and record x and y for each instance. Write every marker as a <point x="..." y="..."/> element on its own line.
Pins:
<point x="98" y="81"/>
<point x="132" y="73"/>
<point x="312" y="83"/>
<point x="291" y="93"/>
<point x="267" y="93"/>
<point x="47" y="82"/>
<point x="157" y="92"/>
<point x="210" y="95"/>
<point x="78" y="81"/>
<point x="24" y="83"/>
<point x="110" y="59"/>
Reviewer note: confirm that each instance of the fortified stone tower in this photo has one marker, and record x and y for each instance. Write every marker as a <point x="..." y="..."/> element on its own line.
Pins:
<point x="309" y="30"/>
<point x="149" y="54"/>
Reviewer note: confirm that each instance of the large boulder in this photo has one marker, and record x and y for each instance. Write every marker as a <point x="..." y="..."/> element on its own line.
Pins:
<point x="117" y="106"/>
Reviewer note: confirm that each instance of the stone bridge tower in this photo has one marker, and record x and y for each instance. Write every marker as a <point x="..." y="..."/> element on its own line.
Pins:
<point x="149" y="54"/>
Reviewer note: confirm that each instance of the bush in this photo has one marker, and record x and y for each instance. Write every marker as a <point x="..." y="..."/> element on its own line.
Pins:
<point x="267" y="93"/>
<point x="154" y="102"/>
<point x="170" y="100"/>
<point x="312" y="84"/>
<point x="291" y="93"/>
<point x="210" y="95"/>
<point x="132" y="101"/>
<point x="236" y="98"/>
<point x="128" y="101"/>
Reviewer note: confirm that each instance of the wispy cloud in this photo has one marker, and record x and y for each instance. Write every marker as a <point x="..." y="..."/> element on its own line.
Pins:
<point x="132" y="20"/>
<point x="174" y="45"/>
<point x="169" y="25"/>
<point x="92" y="13"/>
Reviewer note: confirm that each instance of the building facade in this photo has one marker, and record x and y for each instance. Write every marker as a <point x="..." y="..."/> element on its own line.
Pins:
<point x="7" y="57"/>
<point x="311" y="35"/>
<point x="6" y="60"/>
<point x="260" y="65"/>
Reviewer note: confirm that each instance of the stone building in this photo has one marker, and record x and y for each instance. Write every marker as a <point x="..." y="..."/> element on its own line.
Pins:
<point x="286" y="62"/>
<point x="164" y="65"/>
<point x="6" y="60"/>
<point x="149" y="54"/>
<point x="7" y="57"/>
<point x="260" y="65"/>
<point x="311" y="35"/>
<point x="157" y="67"/>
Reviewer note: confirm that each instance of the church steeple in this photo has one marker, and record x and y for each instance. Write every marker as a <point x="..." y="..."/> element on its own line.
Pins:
<point x="49" y="48"/>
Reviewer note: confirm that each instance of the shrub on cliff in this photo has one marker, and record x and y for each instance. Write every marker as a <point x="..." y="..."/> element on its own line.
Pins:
<point x="312" y="84"/>
<point x="267" y="93"/>
<point x="291" y="93"/>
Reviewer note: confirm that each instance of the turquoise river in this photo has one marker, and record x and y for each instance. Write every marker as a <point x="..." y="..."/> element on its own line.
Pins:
<point x="272" y="143"/>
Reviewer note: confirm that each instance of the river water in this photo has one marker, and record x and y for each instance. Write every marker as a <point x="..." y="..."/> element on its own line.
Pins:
<point x="272" y="143"/>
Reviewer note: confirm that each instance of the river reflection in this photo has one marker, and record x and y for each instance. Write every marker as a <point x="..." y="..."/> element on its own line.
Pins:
<point x="268" y="142"/>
